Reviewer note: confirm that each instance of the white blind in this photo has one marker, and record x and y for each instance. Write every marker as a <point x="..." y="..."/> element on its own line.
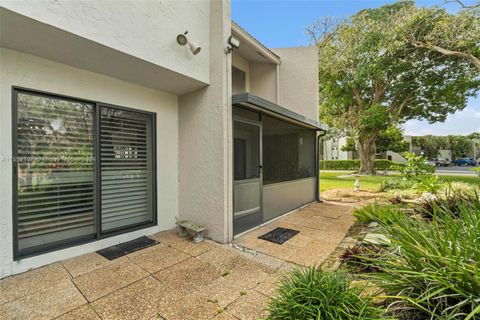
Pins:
<point x="126" y="168"/>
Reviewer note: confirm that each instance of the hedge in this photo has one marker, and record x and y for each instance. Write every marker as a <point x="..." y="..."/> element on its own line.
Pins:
<point x="380" y="164"/>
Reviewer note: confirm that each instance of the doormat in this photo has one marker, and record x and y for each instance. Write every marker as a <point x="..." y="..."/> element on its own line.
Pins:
<point x="125" y="248"/>
<point x="279" y="235"/>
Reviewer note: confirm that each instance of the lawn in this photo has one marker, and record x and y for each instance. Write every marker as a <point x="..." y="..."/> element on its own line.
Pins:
<point x="331" y="180"/>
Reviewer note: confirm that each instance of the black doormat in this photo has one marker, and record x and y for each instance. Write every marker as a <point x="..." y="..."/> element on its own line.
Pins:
<point x="279" y="235"/>
<point x="122" y="249"/>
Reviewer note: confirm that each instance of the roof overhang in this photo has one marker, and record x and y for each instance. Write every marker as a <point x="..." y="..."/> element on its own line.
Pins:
<point x="252" y="49"/>
<point x="253" y="102"/>
<point x="24" y="34"/>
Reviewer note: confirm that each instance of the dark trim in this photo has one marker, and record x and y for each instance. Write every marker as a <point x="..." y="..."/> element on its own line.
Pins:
<point x="97" y="172"/>
<point x="76" y="99"/>
<point x="317" y="164"/>
<point x="14" y="175"/>
<point x="62" y="244"/>
<point x="53" y="246"/>
<point x="250" y="101"/>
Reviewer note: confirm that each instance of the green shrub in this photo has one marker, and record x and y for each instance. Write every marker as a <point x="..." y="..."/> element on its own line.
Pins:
<point x="314" y="294"/>
<point x="449" y="200"/>
<point x="416" y="167"/>
<point x="429" y="183"/>
<point x="395" y="184"/>
<point x="433" y="266"/>
<point x="375" y="212"/>
<point x="380" y="164"/>
<point x="459" y="188"/>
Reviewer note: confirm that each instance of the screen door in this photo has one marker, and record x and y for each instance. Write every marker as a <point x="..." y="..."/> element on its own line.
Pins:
<point x="247" y="187"/>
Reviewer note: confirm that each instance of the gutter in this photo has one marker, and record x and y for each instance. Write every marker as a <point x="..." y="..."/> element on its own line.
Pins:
<point x="317" y="165"/>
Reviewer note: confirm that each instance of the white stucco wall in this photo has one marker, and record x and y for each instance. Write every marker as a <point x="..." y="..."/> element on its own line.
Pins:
<point x="205" y="135"/>
<point x="36" y="73"/>
<point x="144" y="29"/>
<point x="298" y="81"/>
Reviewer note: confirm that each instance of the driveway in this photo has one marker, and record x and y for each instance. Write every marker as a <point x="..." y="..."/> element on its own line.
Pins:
<point x="456" y="171"/>
<point x="176" y="279"/>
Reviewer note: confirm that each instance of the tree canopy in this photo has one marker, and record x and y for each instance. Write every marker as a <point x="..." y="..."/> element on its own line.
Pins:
<point x="372" y="76"/>
<point x="453" y="35"/>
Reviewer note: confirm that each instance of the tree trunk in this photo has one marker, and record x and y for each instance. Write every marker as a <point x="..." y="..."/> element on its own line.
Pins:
<point x="367" y="149"/>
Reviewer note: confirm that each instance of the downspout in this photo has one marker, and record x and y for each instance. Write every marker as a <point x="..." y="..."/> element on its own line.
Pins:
<point x="317" y="165"/>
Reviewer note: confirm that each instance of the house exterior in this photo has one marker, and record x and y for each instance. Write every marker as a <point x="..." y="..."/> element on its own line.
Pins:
<point x="112" y="129"/>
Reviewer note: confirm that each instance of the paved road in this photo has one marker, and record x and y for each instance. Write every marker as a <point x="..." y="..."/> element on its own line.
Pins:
<point x="456" y="171"/>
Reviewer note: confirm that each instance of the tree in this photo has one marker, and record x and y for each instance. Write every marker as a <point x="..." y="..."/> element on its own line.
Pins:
<point x="371" y="77"/>
<point x="474" y="136"/>
<point x="390" y="139"/>
<point x="453" y="35"/>
<point x="461" y="146"/>
<point x="431" y="145"/>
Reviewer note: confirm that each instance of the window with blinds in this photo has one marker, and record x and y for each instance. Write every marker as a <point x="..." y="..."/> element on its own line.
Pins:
<point x="126" y="162"/>
<point x="62" y="196"/>
<point x="55" y="178"/>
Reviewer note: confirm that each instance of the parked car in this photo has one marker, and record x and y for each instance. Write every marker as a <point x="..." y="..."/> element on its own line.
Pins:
<point x="430" y="163"/>
<point x="442" y="162"/>
<point x="464" y="162"/>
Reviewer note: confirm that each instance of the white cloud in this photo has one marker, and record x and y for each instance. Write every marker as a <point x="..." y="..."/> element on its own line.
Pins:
<point x="462" y="122"/>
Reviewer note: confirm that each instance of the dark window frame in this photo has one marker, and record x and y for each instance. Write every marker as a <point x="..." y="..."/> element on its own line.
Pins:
<point x="58" y="245"/>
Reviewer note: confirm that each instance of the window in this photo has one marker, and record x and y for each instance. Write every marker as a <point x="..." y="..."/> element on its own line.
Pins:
<point x="288" y="151"/>
<point x="62" y="196"/>
<point x="126" y="168"/>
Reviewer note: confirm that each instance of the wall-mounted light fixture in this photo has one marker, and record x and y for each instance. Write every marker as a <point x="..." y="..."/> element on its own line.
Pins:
<point x="233" y="43"/>
<point x="183" y="40"/>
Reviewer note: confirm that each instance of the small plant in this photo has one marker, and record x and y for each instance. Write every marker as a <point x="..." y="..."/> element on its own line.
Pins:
<point x="355" y="258"/>
<point x="315" y="294"/>
<point x="375" y="212"/>
<point x="416" y="167"/>
<point x="429" y="183"/>
<point x="394" y="184"/>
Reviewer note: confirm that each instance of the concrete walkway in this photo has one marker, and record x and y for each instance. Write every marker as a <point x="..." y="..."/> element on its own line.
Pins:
<point x="322" y="227"/>
<point x="176" y="279"/>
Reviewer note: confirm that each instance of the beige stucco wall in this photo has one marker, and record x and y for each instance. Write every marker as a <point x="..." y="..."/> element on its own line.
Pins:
<point x="263" y="80"/>
<point x="205" y="155"/>
<point x="36" y="73"/>
<point x="242" y="64"/>
<point x="144" y="29"/>
<point x="298" y="81"/>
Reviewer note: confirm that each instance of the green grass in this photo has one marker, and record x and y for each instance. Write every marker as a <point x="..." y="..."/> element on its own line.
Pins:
<point x="331" y="180"/>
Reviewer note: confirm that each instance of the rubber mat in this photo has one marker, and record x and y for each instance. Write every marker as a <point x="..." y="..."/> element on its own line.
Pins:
<point x="122" y="249"/>
<point x="279" y="235"/>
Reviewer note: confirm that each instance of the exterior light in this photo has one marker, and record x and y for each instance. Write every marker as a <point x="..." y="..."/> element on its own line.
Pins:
<point x="233" y="43"/>
<point x="183" y="40"/>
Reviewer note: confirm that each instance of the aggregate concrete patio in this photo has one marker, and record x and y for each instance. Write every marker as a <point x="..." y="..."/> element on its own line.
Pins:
<point x="322" y="227"/>
<point x="177" y="279"/>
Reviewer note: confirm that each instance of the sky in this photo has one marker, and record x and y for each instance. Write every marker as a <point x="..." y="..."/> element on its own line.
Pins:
<point x="282" y="23"/>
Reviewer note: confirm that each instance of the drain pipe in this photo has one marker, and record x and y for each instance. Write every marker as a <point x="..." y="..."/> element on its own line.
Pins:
<point x="317" y="164"/>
